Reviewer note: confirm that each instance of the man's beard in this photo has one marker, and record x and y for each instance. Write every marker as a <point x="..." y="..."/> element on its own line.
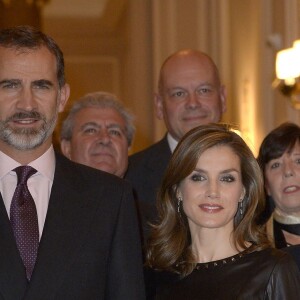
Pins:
<point x="27" y="138"/>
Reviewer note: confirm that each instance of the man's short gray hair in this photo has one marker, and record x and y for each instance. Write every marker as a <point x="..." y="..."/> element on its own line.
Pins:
<point x="99" y="100"/>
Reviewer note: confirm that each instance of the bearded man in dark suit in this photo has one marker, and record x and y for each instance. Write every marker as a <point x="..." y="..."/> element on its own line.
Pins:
<point x="80" y="238"/>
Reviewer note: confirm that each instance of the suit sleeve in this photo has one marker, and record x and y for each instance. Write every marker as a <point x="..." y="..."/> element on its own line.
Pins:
<point x="284" y="282"/>
<point x="125" y="274"/>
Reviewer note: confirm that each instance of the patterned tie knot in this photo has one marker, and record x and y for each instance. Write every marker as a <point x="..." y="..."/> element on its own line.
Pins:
<point x="23" y="173"/>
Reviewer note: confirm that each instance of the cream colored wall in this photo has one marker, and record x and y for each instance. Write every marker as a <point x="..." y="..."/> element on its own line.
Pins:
<point x="253" y="27"/>
<point x="124" y="57"/>
<point x="137" y="73"/>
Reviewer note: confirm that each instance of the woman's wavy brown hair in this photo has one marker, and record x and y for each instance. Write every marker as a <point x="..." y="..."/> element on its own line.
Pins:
<point x="169" y="245"/>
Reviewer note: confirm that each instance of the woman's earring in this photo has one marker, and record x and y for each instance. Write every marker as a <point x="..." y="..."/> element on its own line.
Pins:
<point x="241" y="207"/>
<point x="178" y="204"/>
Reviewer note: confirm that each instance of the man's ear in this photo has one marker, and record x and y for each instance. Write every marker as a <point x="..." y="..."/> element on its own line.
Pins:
<point x="158" y="102"/>
<point x="223" y="95"/>
<point x="65" y="147"/>
<point x="64" y="96"/>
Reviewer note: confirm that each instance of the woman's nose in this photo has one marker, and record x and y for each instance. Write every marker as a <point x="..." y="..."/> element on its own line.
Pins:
<point x="212" y="191"/>
<point x="288" y="170"/>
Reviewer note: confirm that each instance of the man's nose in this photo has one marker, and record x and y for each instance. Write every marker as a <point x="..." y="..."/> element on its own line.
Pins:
<point x="27" y="100"/>
<point x="103" y="137"/>
<point x="192" y="101"/>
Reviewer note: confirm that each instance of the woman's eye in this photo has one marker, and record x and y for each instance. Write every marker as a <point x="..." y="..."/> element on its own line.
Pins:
<point x="197" y="177"/>
<point x="228" y="178"/>
<point x="274" y="165"/>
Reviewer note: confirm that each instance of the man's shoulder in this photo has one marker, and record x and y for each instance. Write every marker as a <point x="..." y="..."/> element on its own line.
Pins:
<point x="76" y="182"/>
<point x="159" y="148"/>
<point x="76" y="171"/>
<point x="153" y="159"/>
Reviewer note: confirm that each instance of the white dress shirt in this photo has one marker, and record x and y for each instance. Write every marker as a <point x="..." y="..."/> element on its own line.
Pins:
<point x="172" y="142"/>
<point x="39" y="184"/>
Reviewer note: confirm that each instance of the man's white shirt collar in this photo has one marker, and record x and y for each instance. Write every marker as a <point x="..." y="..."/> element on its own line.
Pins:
<point x="172" y="142"/>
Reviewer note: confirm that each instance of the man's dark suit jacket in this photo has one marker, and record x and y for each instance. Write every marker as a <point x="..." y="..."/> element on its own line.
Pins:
<point x="90" y="247"/>
<point x="145" y="172"/>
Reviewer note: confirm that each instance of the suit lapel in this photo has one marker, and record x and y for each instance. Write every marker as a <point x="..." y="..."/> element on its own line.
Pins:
<point x="67" y="223"/>
<point x="160" y="157"/>
<point x="155" y="167"/>
<point x="13" y="282"/>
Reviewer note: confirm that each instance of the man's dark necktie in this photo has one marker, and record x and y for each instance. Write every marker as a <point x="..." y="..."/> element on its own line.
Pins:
<point x="23" y="217"/>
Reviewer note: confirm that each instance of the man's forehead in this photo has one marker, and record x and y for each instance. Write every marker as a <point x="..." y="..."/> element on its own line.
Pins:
<point x="102" y="123"/>
<point x="190" y="78"/>
<point x="101" y="117"/>
<point x="188" y="67"/>
<point x="25" y="50"/>
<point x="29" y="60"/>
<point x="104" y="112"/>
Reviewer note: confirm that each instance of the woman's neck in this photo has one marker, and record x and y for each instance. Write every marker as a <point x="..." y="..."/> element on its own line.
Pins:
<point x="211" y="244"/>
<point x="286" y="218"/>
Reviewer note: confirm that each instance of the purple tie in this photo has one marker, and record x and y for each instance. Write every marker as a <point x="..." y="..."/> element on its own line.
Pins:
<point x="24" y="221"/>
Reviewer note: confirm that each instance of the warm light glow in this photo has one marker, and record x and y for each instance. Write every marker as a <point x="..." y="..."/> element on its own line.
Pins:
<point x="288" y="73"/>
<point x="296" y="45"/>
<point x="247" y="140"/>
<point x="288" y="65"/>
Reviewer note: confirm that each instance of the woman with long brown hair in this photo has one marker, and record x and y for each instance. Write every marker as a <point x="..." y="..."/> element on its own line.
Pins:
<point x="207" y="234"/>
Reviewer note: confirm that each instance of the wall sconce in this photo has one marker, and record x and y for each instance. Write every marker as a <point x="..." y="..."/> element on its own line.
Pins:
<point x="288" y="73"/>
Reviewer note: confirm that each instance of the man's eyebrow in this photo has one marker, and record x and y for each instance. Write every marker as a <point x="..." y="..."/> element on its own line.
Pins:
<point x="206" y="84"/>
<point x="94" y="124"/>
<point x="4" y="81"/>
<point x="43" y="82"/>
<point x="175" y="88"/>
<point x="118" y="126"/>
<point x="89" y="124"/>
